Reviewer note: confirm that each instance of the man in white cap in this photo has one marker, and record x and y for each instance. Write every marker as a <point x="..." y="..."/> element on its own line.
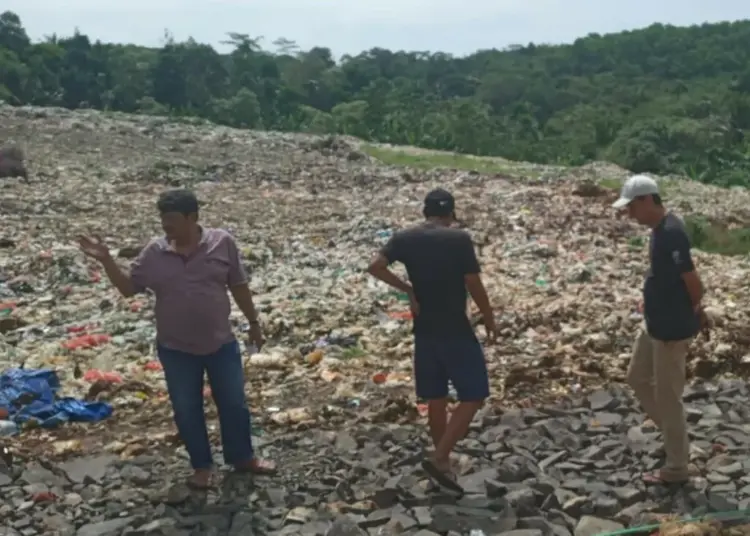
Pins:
<point x="673" y="315"/>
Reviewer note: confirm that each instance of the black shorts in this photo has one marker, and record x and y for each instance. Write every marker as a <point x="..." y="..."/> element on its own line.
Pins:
<point x="460" y="360"/>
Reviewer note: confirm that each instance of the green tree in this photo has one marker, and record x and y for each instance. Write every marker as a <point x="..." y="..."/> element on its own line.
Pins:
<point x="662" y="99"/>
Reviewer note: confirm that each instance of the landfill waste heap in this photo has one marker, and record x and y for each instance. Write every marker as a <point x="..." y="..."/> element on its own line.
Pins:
<point x="557" y="450"/>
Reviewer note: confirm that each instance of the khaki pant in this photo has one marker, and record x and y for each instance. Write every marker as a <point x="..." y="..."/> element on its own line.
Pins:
<point x="657" y="375"/>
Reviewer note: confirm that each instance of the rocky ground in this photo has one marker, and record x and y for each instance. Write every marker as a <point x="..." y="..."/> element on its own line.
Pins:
<point x="560" y="447"/>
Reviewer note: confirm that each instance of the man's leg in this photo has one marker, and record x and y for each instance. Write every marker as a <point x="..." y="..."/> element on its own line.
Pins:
<point x="227" y="379"/>
<point x="432" y="384"/>
<point x="467" y="370"/>
<point x="669" y="368"/>
<point x="641" y="376"/>
<point x="184" y="376"/>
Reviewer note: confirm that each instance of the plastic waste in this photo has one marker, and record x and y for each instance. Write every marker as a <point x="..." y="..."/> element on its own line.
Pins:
<point x="541" y="280"/>
<point x="30" y="396"/>
<point x="307" y="243"/>
<point x="379" y="378"/>
<point x="8" y="428"/>
<point x="85" y="341"/>
<point x="6" y="309"/>
<point x="268" y="359"/>
<point x="95" y="375"/>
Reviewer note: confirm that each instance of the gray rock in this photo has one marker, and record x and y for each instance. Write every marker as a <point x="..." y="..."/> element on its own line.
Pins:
<point x="550" y="471"/>
<point x="94" y="468"/>
<point x="602" y="401"/>
<point x="112" y="527"/>
<point x="345" y="526"/>
<point x="593" y="526"/>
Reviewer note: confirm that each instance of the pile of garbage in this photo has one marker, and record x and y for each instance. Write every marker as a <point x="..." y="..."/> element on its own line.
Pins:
<point x="562" y="269"/>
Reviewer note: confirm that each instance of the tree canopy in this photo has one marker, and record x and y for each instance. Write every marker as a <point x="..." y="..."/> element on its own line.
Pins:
<point x="663" y="99"/>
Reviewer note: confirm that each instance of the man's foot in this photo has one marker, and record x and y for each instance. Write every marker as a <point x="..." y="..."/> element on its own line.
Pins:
<point x="257" y="466"/>
<point x="201" y="479"/>
<point x="666" y="477"/>
<point x="443" y="477"/>
<point x="649" y="423"/>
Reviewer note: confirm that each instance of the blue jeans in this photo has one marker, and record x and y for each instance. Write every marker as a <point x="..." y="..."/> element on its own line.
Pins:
<point x="184" y="375"/>
<point x="460" y="360"/>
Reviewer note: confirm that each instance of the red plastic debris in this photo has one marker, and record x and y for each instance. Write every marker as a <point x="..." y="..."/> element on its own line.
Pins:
<point x="81" y="329"/>
<point x="95" y="375"/>
<point x="86" y="341"/>
<point x="379" y="378"/>
<point x="44" y="496"/>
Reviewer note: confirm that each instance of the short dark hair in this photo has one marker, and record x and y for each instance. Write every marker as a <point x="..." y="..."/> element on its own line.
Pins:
<point x="182" y="201"/>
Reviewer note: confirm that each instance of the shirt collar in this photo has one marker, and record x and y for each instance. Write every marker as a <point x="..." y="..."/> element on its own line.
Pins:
<point x="166" y="246"/>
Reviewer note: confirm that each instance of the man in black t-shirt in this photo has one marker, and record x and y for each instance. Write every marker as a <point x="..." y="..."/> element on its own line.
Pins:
<point x="442" y="265"/>
<point x="672" y="295"/>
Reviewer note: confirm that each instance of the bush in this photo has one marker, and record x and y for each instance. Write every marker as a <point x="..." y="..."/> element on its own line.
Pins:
<point x="715" y="238"/>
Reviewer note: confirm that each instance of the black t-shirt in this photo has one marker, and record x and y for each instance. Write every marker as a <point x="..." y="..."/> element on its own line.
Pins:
<point x="436" y="259"/>
<point x="667" y="306"/>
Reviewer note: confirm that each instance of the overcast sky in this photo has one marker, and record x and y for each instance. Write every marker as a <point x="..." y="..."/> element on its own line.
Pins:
<point x="350" y="26"/>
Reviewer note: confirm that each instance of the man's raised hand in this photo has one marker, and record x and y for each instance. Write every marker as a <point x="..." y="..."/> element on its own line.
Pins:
<point x="93" y="247"/>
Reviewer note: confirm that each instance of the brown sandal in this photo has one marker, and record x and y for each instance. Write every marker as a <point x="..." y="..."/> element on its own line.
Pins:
<point x="660" y="477"/>
<point x="197" y="483"/>
<point x="257" y="466"/>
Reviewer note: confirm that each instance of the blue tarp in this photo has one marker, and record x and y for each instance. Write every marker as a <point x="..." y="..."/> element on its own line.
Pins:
<point x="29" y="394"/>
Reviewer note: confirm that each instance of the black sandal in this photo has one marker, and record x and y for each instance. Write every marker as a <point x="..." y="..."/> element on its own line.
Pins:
<point x="443" y="479"/>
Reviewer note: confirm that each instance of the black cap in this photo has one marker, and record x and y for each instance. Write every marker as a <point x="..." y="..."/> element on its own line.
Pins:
<point x="439" y="203"/>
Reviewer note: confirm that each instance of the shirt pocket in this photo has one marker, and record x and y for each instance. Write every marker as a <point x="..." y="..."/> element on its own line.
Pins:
<point x="215" y="270"/>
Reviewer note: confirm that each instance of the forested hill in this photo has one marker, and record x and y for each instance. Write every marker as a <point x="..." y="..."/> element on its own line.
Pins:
<point x="662" y="99"/>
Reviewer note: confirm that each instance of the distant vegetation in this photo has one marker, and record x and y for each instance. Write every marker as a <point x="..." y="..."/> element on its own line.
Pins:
<point x="716" y="238"/>
<point x="662" y="99"/>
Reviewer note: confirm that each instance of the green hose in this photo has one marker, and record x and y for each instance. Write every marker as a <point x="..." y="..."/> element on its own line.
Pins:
<point x="731" y="515"/>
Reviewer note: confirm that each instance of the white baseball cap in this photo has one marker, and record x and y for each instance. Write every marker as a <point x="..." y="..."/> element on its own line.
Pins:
<point x="636" y="186"/>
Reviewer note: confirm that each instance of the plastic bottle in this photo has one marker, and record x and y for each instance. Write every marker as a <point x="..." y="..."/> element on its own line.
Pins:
<point x="8" y="428"/>
<point x="541" y="281"/>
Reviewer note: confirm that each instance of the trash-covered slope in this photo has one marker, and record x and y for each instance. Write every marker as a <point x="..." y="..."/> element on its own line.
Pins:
<point x="562" y="269"/>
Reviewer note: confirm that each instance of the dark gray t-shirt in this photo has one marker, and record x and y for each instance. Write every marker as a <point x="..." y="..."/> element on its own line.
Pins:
<point x="437" y="259"/>
<point x="667" y="306"/>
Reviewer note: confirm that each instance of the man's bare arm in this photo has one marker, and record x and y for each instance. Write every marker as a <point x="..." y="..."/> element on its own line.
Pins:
<point x="379" y="269"/>
<point x="119" y="278"/>
<point x="694" y="287"/>
<point x="479" y="294"/>
<point x="243" y="297"/>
